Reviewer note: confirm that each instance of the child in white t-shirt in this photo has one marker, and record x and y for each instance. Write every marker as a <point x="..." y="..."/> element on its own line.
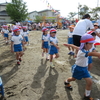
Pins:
<point x="70" y="39"/>
<point x="17" y="44"/>
<point x="6" y="34"/>
<point x="25" y="34"/>
<point x="45" y="40"/>
<point x="80" y="69"/>
<point x="54" y="48"/>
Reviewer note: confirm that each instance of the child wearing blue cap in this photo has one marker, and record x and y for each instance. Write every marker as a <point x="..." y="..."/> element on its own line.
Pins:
<point x="80" y="68"/>
<point x="16" y="44"/>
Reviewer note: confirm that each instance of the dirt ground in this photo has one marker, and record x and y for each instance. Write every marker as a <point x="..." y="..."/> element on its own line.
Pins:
<point x="35" y="80"/>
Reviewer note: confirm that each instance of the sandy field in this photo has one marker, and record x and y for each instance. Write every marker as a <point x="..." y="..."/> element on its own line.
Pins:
<point x="35" y="80"/>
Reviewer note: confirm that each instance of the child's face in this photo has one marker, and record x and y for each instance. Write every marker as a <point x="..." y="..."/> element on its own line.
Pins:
<point x="52" y="34"/>
<point x="17" y="33"/>
<point x="71" y="29"/>
<point x="46" y="32"/>
<point x="88" y="46"/>
<point x="96" y="27"/>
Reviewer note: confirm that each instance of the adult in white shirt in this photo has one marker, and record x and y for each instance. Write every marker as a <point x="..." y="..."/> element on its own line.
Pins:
<point x="81" y="28"/>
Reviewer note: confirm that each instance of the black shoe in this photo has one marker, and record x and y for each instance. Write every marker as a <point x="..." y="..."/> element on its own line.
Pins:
<point x="87" y="98"/>
<point x="68" y="86"/>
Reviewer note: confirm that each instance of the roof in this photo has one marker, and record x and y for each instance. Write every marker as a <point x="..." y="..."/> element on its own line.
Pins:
<point x="3" y="13"/>
<point x="45" y="10"/>
<point x="32" y="12"/>
<point x="4" y="4"/>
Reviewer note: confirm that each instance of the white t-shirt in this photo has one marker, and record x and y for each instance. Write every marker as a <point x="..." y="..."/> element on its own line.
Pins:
<point x="82" y="58"/>
<point x="5" y="31"/>
<point x="54" y="40"/>
<point x="82" y="26"/>
<point x="17" y="39"/>
<point x="70" y="34"/>
<point x="25" y="33"/>
<point x="45" y="37"/>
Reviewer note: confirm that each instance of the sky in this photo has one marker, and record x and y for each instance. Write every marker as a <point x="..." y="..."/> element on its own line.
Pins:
<point x="65" y="6"/>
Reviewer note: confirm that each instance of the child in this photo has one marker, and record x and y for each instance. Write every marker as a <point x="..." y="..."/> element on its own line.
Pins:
<point x="70" y="39"/>
<point x="16" y="43"/>
<point x="53" y="46"/>
<point x="45" y="39"/>
<point x="80" y="69"/>
<point x="25" y="35"/>
<point x="6" y="32"/>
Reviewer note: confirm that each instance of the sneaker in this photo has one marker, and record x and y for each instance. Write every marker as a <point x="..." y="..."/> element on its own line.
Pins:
<point x="87" y="98"/>
<point x="69" y="53"/>
<point x="68" y="86"/>
<point x="52" y="66"/>
<point x="72" y="53"/>
<point x="18" y="63"/>
<point x="20" y="59"/>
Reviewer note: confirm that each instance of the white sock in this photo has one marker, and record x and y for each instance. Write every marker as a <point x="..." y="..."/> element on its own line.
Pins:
<point x="17" y="60"/>
<point x="66" y="81"/>
<point x="46" y="55"/>
<point x="87" y="93"/>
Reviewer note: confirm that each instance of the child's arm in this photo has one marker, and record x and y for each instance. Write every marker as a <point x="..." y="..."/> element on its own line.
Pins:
<point x="56" y="45"/>
<point x="94" y="54"/>
<point x="73" y="46"/>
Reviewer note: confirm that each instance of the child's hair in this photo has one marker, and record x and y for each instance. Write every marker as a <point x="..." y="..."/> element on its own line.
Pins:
<point x="93" y="33"/>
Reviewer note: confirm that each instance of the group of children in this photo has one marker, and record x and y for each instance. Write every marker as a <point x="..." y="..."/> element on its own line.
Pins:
<point x="83" y="64"/>
<point x="18" y="38"/>
<point x="50" y="44"/>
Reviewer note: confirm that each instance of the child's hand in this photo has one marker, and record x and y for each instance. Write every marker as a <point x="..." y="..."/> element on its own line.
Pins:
<point x="58" y="48"/>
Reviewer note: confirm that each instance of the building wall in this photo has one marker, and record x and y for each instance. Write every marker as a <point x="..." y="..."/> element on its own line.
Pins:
<point x="2" y="8"/>
<point x="32" y="16"/>
<point x="5" y="19"/>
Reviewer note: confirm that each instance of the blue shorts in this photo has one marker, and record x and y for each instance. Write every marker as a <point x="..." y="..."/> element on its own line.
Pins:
<point x="53" y="50"/>
<point x="26" y="38"/>
<point x="70" y="40"/>
<point x="90" y="60"/>
<point x="18" y="48"/>
<point x="45" y="45"/>
<point x="5" y="35"/>
<point x="80" y="72"/>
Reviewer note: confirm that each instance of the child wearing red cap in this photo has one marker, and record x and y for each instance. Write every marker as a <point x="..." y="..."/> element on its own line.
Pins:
<point x="53" y="46"/>
<point x="80" y="69"/>
<point x="16" y="44"/>
<point x="45" y="39"/>
<point x="70" y="39"/>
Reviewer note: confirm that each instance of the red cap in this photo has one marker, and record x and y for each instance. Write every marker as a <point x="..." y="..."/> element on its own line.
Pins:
<point x="16" y="29"/>
<point x="44" y="29"/>
<point x="53" y="30"/>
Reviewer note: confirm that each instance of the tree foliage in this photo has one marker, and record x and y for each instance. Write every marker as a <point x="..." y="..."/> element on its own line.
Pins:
<point x="71" y="15"/>
<point x="17" y="10"/>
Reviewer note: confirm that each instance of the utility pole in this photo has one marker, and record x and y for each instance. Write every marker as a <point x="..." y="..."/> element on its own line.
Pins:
<point x="78" y="10"/>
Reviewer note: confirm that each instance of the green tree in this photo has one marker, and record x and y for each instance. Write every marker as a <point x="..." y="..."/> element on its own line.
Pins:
<point x="83" y="9"/>
<point x="17" y="10"/>
<point x="95" y="13"/>
<point x="71" y="15"/>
